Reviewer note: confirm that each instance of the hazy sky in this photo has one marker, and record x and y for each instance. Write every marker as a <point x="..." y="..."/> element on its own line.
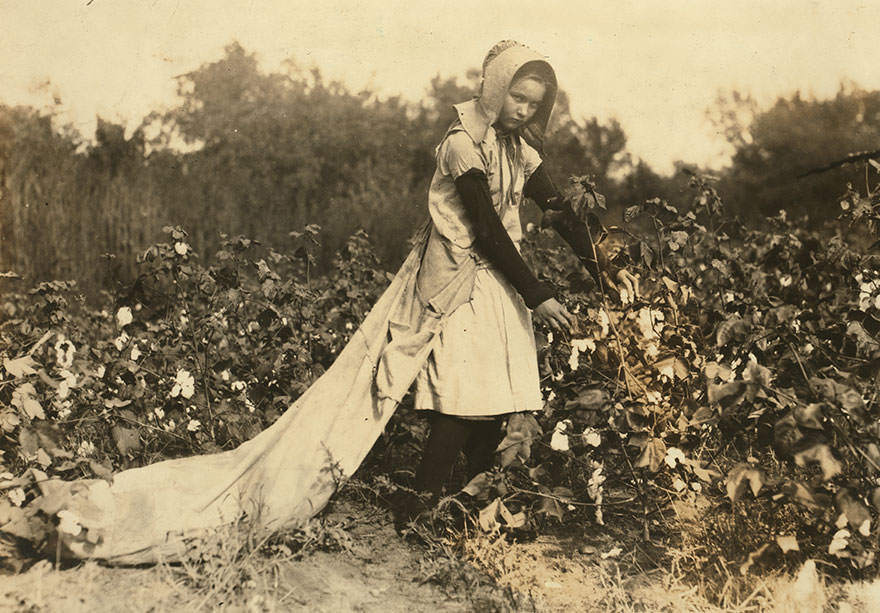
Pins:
<point x="655" y="65"/>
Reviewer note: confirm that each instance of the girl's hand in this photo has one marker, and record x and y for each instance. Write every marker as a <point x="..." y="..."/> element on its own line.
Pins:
<point x="630" y="283"/>
<point x="626" y="287"/>
<point x="552" y="313"/>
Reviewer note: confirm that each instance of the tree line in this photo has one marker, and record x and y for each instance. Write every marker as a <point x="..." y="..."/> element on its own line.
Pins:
<point x="264" y="154"/>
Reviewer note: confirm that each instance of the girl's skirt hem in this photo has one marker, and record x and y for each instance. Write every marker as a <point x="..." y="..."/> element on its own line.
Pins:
<point x="484" y="361"/>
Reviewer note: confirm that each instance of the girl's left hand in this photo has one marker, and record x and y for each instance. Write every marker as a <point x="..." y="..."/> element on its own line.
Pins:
<point x="553" y="314"/>
<point x="630" y="283"/>
<point x="627" y="286"/>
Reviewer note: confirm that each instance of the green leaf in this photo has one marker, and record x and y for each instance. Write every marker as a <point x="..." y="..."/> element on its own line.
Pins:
<point x="726" y="394"/>
<point x="734" y="328"/>
<point x="588" y="399"/>
<point x="479" y="486"/>
<point x="24" y="398"/>
<point x="127" y="439"/>
<point x="809" y="416"/>
<point x="652" y="455"/>
<point x="857" y="514"/>
<point x="798" y="492"/>
<point x="673" y="368"/>
<point x="552" y="508"/>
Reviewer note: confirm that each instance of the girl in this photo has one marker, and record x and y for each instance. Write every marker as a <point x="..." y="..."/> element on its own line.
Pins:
<point x="456" y="318"/>
<point x="483" y="364"/>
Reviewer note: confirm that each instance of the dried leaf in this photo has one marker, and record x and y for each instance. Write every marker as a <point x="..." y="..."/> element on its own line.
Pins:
<point x="20" y="367"/>
<point x="43" y="458"/>
<point x="14" y="521"/>
<point x="839" y="543"/>
<point x="822" y="454"/>
<point x="489" y="516"/>
<point x="741" y="475"/>
<point x="753" y="556"/>
<point x="787" y="543"/>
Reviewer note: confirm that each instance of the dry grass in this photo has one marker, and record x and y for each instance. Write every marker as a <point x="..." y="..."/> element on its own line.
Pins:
<point x="353" y="560"/>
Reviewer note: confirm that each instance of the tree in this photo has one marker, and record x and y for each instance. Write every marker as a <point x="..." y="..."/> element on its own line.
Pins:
<point x="794" y="136"/>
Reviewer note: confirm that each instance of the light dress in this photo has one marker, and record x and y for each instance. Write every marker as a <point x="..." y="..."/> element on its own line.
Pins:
<point x="484" y="361"/>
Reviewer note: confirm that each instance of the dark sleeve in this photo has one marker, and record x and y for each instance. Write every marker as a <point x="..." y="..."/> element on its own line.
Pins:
<point x="540" y="188"/>
<point x="492" y="240"/>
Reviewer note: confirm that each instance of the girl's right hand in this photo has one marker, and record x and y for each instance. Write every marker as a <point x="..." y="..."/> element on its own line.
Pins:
<point x="552" y="313"/>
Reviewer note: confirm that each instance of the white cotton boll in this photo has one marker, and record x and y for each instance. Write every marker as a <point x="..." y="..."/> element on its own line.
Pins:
<point x="69" y="523"/>
<point x="674" y="456"/>
<point x="559" y="440"/>
<point x="124" y="316"/>
<point x="184" y="384"/>
<point x="17" y="496"/>
<point x="194" y="425"/>
<point x="135" y="353"/>
<point x="121" y="341"/>
<point x="592" y="437"/>
<point x="64" y="351"/>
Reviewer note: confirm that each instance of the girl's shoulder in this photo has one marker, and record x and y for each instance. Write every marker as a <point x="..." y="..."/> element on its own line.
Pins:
<point x="457" y="152"/>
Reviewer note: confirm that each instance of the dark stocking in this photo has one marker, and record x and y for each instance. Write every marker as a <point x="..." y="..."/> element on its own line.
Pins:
<point x="483" y="440"/>
<point x="447" y="437"/>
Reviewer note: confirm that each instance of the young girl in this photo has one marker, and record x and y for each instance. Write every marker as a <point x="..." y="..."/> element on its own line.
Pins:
<point x="455" y="319"/>
<point x="483" y="364"/>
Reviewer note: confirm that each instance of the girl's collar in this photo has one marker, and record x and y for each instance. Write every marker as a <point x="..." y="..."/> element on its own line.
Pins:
<point x="474" y="120"/>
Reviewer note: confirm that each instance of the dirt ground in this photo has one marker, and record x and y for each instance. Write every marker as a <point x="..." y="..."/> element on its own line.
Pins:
<point x="375" y="570"/>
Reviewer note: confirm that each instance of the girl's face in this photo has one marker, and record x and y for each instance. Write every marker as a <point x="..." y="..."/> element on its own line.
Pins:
<point x="522" y="100"/>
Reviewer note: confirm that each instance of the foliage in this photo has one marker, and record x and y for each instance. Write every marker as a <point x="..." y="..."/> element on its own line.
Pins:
<point x="245" y="151"/>
<point x="774" y="149"/>
<point x="743" y="380"/>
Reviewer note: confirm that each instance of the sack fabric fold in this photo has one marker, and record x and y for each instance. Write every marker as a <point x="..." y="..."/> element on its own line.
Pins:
<point x="287" y="473"/>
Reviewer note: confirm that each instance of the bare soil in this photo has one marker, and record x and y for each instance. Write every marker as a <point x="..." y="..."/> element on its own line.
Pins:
<point x="375" y="570"/>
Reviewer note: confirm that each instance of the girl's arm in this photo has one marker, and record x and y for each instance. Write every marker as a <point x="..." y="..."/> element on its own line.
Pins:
<point x="540" y="188"/>
<point x="493" y="241"/>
